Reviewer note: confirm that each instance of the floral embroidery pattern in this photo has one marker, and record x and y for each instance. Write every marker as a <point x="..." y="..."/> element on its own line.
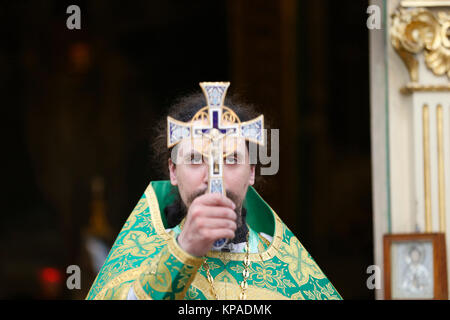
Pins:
<point x="291" y="273"/>
<point x="300" y="264"/>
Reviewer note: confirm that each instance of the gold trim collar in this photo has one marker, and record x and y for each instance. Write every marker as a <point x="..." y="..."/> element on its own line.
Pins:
<point x="268" y="254"/>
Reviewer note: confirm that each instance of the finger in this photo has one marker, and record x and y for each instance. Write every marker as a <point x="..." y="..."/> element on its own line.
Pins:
<point x="201" y="211"/>
<point x="213" y="223"/>
<point x="215" y="199"/>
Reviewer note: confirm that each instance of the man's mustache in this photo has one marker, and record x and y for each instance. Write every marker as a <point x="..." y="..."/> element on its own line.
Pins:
<point x="231" y="195"/>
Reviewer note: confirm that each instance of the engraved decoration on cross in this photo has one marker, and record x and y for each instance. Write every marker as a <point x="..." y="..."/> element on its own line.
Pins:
<point x="212" y="124"/>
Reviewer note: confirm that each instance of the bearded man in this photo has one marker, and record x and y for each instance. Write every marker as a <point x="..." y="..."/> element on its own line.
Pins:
<point x="206" y="233"/>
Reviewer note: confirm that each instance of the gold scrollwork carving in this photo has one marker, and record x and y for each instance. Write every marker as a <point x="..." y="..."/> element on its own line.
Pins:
<point x="419" y="30"/>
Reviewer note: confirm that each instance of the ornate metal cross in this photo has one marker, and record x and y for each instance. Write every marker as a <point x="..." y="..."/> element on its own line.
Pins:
<point x="221" y="122"/>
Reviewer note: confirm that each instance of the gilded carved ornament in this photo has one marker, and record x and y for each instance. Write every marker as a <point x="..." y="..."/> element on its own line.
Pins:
<point x="418" y="30"/>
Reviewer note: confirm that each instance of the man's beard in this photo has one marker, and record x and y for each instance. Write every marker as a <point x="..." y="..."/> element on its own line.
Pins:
<point x="178" y="210"/>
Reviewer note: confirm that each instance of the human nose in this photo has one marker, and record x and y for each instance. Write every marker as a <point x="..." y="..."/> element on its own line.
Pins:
<point x="205" y="173"/>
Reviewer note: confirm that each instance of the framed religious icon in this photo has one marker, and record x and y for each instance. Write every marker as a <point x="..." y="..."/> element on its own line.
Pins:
<point x="415" y="266"/>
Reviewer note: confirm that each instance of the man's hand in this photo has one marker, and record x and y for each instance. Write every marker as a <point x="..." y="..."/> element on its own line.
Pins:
<point x="210" y="217"/>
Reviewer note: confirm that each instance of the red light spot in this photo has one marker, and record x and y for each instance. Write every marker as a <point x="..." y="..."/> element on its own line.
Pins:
<point x="50" y="275"/>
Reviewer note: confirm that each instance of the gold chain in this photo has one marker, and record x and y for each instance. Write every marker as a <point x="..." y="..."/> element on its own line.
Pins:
<point x="245" y="275"/>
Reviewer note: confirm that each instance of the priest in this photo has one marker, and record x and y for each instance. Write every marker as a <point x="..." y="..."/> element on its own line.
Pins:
<point x="206" y="233"/>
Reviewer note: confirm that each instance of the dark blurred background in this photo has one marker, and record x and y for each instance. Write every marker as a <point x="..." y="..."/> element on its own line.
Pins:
<point x="79" y="105"/>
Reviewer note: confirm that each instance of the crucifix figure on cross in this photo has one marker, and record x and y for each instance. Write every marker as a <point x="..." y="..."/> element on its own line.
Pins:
<point x="212" y="124"/>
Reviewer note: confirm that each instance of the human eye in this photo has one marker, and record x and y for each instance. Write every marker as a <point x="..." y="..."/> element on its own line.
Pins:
<point x="232" y="158"/>
<point x="195" y="158"/>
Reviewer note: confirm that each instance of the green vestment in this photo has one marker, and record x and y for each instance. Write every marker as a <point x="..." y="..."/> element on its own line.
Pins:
<point x="147" y="258"/>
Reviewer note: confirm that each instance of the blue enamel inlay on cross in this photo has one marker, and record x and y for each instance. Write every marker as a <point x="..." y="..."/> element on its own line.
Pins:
<point x="215" y="119"/>
<point x="215" y="124"/>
